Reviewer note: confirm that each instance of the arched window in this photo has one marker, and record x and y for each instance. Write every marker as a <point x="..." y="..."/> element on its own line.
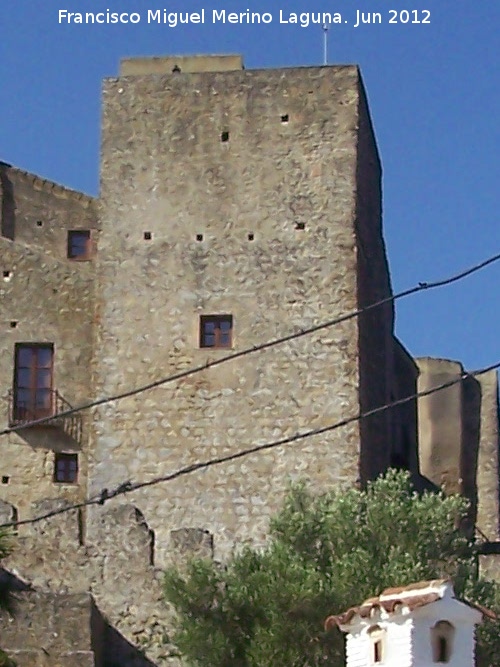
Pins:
<point x="376" y="644"/>
<point x="442" y="635"/>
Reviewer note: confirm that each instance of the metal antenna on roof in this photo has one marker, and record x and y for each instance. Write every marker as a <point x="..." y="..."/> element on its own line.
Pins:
<point x="325" y="44"/>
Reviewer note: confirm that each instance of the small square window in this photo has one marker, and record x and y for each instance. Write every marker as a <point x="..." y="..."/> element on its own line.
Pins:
<point x="284" y="118"/>
<point x="65" y="468"/>
<point x="79" y="244"/>
<point x="224" y="136"/>
<point x="148" y="236"/>
<point x="216" y="331"/>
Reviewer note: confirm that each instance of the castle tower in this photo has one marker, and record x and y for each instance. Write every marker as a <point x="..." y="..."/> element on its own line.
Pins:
<point x="415" y="626"/>
<point x="238" y="206"/>
<point x="459" y="438"/>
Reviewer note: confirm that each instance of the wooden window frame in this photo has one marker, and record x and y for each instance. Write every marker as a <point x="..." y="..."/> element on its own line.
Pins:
<point x="218" y="333"/>
<point x="86" y="255"/>
<point x="31" y="411"/>
<point x="68" y="473"/>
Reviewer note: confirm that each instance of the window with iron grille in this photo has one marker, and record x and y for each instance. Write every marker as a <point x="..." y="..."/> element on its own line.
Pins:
<point x="33" y="380"/>
<point x="216" y="330"/>
<point x="79" y="244"/>
<point x="65" y="468"/>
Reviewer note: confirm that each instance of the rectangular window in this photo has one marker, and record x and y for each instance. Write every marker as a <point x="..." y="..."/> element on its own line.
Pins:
<point x="216" y="331"/>
<point x="33" y="379"/>
<point x="79" y="244"/>
<point x="65" y="468"/>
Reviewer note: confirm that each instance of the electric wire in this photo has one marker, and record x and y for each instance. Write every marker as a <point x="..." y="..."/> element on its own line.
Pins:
<point x="129" y="487"/>
<point x="422" y="286"/>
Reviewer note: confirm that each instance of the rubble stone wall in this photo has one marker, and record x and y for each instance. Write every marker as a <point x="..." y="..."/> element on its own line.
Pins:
<point x="48" y="302"/>
<point x="39" y="213"/>
<point x="118" y="571"/>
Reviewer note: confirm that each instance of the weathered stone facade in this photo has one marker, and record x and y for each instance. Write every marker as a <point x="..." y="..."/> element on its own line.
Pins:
<point x="37" y="212"/>
<point x="45" y="299"/>
<point x="175" y="179"/>
<point x="459" y="438"/>
<point x="117" y="570"/>
<point x="249" y="193"/>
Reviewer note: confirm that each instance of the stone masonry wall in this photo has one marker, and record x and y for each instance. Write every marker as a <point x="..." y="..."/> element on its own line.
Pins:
<point x="50" y="630"/>
<point x="186" y="64"/>
<point x="250" y="193"/>
<point x="458" y="438"/>
<point x="49" y="302"/>
<point x="440" y="424"/>
<point x="287" y="176"/>
<point x="488" y="458"/>
<point x="117" y="568"/>
<point x="39" y="213"/>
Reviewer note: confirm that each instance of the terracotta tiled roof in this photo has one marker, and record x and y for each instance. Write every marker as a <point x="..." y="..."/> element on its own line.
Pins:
<point x="485" y="612"/>
<point x="393" y="600"/>
<point x="366" y="609"/>
<point x="435" y="583"/>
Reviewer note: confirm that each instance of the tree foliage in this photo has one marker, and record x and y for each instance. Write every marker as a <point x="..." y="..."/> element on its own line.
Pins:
<point x="5" y="661"/>
<point x="324" y="554"/>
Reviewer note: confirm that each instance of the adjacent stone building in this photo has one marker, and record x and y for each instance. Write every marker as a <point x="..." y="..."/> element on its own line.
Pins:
<point x="236" y="207"/>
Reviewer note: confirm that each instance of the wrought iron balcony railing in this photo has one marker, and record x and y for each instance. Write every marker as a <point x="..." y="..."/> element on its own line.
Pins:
<point x="43" y="404"/>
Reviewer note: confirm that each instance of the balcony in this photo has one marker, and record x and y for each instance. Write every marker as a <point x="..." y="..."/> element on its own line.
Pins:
<point x="25" y="409"/>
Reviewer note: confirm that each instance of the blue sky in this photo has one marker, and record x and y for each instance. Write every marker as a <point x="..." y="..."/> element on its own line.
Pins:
<point x="434" y="93"/>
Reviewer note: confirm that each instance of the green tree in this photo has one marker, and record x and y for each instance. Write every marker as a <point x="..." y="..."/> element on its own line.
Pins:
<point x="324" y="554"/>
<point x="5" y="661"/>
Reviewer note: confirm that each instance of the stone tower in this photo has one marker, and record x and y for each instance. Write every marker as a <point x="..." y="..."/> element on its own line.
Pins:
<point x="459" y="438"/>
<point x="237" y="206"/>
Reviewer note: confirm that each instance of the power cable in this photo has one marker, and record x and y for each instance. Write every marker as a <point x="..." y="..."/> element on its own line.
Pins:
<point x="257" y="348"/>
<point x="128" y="486"/>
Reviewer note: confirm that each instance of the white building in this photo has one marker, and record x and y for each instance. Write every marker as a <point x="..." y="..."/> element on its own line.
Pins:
<point x="414" y="626"/>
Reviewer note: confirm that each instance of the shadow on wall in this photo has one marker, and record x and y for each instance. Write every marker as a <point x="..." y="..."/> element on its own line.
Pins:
<point x="7" y="204"/>
<point x="9" y="586"/>
<point x="117" y="651"/>
<point x="67" y="627"/>
<point x="60" y="434"/>
<point x="471" y="410"/>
